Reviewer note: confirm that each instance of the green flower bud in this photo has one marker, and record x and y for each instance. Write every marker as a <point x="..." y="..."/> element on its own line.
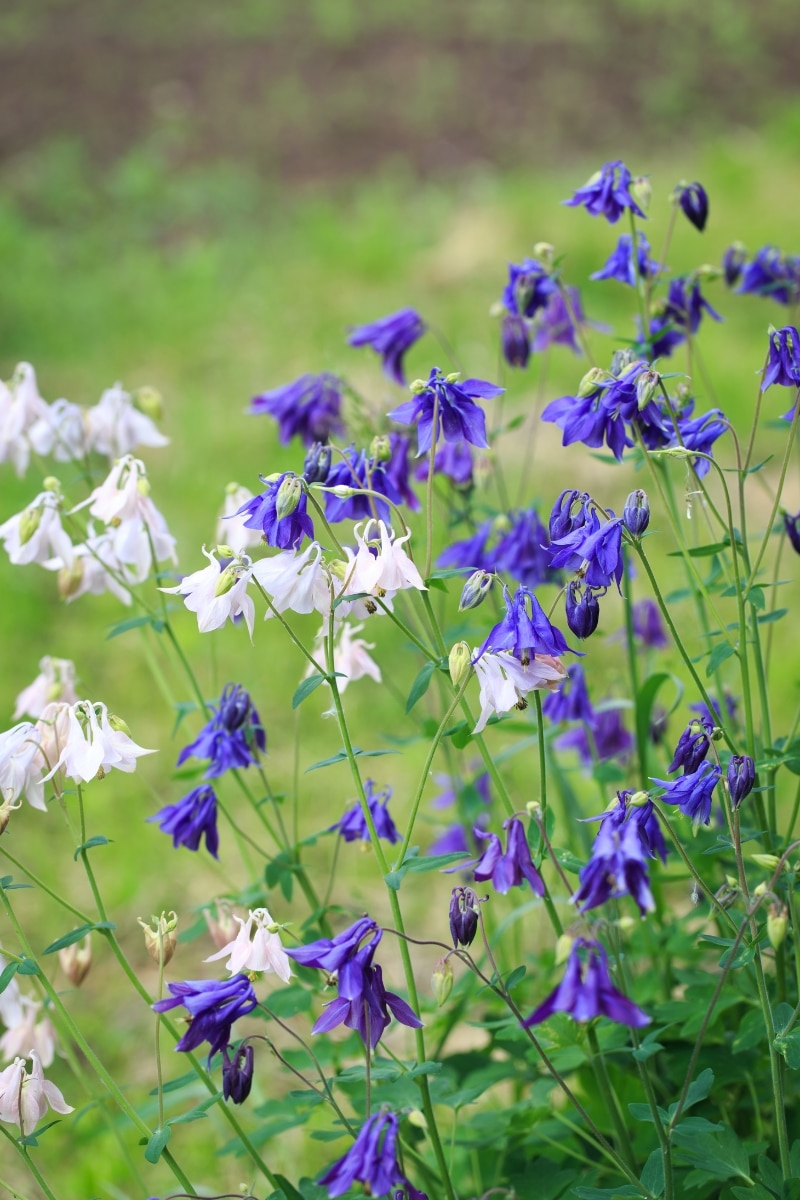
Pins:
<point x="118" y="725"/>
<point x="75" y="960"/>
<point x="459" y="663"/>
<point x="150" y="402"/>
<point x="641" y="191"/>
<point x="563" y="948"/>
<point x="223" y="551"/>
<point x="227" y="579"/>
<point x="777" y="925"/>
<point x="647" y="385"/>
<point x="545" y="252"/>
<point x="381" y="448"/>
<point x="418" y="386"/>
<point x="475" y="590"/>
<point x="442" y="981"/>
<point x="453" y="377"/>
<point x="289" y="496"/>
<point x="51" y="484"/>
<point x="29" y="522"/>
<point x="70" y="579"/>
<point x="588" y="385"/>
<point x="769" y="862"/>
<point x="161" y="936"/>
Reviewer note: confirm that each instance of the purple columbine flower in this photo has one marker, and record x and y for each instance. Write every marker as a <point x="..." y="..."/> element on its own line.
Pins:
<point x="317" y="463"/>
<point x="733" y="261"/>
<point x="607" y="193"/>
<point x="329" y="954"/>
<point x="571" y="511"/>
<point x="618" y="863"/>
<point x="192" y="818"/>
<point x="458" y="417"/>
<point x="237" y="1073"/>
<point x="772" y="274"/>
<point x="686" y="304"/>
<point x="515" y="340"/>
<point x="647" y="624"/>
<point x="454" y="461"/>
<point x="582" y="610"/>
<point x="623" y="266"/>
<point x="609" y="738"/>
<point x="693" y="746"/>
<point x="586" y="991"/>
<point x="463" y="916"/>
<point x="792" y="526"/>
<point x="636" y="513"/>
<point x="522" y="551"/>
<point x="363" y="1003"/>
<point x="700" y="433"/>
<point x="353" y="826"/>
<point x="234" y="736"/>
<point x="571" y="701"/>
<point x="470" y="553"/>
<point x="309" y="407"/>
<point x="741" y="777"/>
<point x="693" y="200"/>
<point x="391" y="337"/>
<point x="783" y="364"/>
<point x="512" y="868"/>
<point x="398" y="471"/>
<point x="528" y="289"/>
<point x="371" y="1160"/>
<point x="360" y="470"/>
<point x="452" y="841"/>
<point x="601" y="551"/>
<point x="213" y="1008"/>
<point x="525" y="630"/>
<point x="282" y="530"/>
<point x="692" y="792"/>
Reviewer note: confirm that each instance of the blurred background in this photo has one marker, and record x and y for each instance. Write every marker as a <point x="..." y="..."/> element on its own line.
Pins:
<point x="203" y="196"/>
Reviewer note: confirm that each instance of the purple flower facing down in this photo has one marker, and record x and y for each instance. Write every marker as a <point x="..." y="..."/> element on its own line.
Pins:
<point x="686" y="304"/>
<point x="570" y="512"/>
<point x="693" y="746"/>
<point x="525" y="630"/>
<point x="363" y="1003"/>
<point x="458" y="417"/>
<point x="234" y="736"/>
<point x="309" y="407"/>
<point x="618" y="864"/>
<point x="693" y="200"/>
<point x="522" y="551"/>
<point x="359" y="470"/>
<point x="700" y="433"/>
<point x="191" y="819"/>
<point x="571" y="702"/>
<point x="733" y="261"/>
<point x="649" y="828"/>
<point x="792" y="526"/>
<point x="692" y="792"/>
<point x="454" y="461"/>
<point x="609" y="738"/>
<point x="586" y="419"/>
<point x="772" y="274"/>
<point x="512" y="868"/>
<point x="371" y="1160"/>
<point x="600" y="552"/>
<point x="470" y="553"/>
<point x="452" y="841"/>
<point x="741" y="777"/>
<point x="636" y="513"/>
<point x="624" y="266"/>
<point x="237" y="1073"/>
<point x="586" y="991"/>
<point x="329" y="954"/>
<point x="783" y="363"/>
<point x="212" y="1006"/>
<point x="582" y="609"/>
<point x="515" y="340"/>
<point x="558" y="323"/>
<point x="283" y="529"/>
<point x="353" y="826"/>
<point x="607" y="193"/>
<point x="391" y="337"/>
<point x="528" y="289"/>
<point x="647" y="626"/>
<point x="398" y="472"/>
<point x="463" y="916"/>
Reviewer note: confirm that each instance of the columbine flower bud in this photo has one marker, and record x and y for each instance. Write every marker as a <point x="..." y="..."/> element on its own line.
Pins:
<point x="70" y="579"/>
<point x="418" y="386"/>
<point x="6" y="809"/>
<point x="149" y="401"/>
<point x="638" y="799"/>
<point x="29" y="522"/>
<point x="741" y="777"/>
<point x="777" y="924"/>
<point x="226" y="581"/>
<point x="626" y="924"/>
<point x="768" y="861"/>
<point x="582" y="609"/>
<point x="564" y="946"/>
<point x="317" y="463"/>
<point x="380" y="448"/>
<point x="288" y="497"/>
<point x="588" y="385"/>
<point x="544" y="251"/>
<point x="476" y="589"/>
<point x="459" y="663"/>
<point x="161" y="937"/>
<point x="463" y="916"/>
<point x="224" y="551"/>
<point x="733" y="261"/>
<point x="442" y="981"/>
<point x="760" y="889"/>
<point x="223" y="927"/>
<point x="237" y="1074"/>
<point x="647" y="385"/>
<point x="453" y="377"/>
<point x="75" y="960"/>
<point x="641" y="191"/>
<point x="636" y="513"/>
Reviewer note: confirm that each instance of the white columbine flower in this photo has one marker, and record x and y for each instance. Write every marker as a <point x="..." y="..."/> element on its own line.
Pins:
<point x="116" y="426"/>
<point x="36" y="535"/>
<point x="218" y="595"/>
<point x="21" y="406"/>
<point x="24" y="1097"/>
<point x="350" y="658"/>
<point x="123" y="501"/>
<point x="60" y="431"/>
<point x="95" y="743"/>
<point x="22" y="766"/>
<point x="386" y="572"/>
<point x="55" y="681"/>
<point x="256" y="947"/>
<point x="296" y="580"/>
<point x="26" y="1033"/>
<point x="231" y="529"/>
<point x="504" y="681"/>
<point x="96" y="568"/>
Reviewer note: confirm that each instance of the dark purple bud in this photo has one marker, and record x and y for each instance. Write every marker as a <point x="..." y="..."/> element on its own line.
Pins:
<point x="694" y="202"/>
<point x="792" y="525"/>
<point x="515" y="340"/>
<point x="636" y="513"/>
<point x="476" y="589"/>
<point x="237" y="1074"/>
<point x="583" y="610"/>
<point x="463" y="916"/>
<point x="693" y="746"/>
<point x="733" y="261"/>
<point x="317" y="463"/>
<point x="741" y="777"/>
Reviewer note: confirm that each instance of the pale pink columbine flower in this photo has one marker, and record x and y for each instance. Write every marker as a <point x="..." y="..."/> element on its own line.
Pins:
<point x="295" y="580"/>
<point x="96" y="568"/>
<point x="28" y="1032"/>
<point x="505" y="682"/>
<point x="60" y="431"/>
<point x="25" y="1097"/>
<point x="116" y="426"/>
<point x="256" y="947"/>
<point x="22" y="767"/>
<point x="21" y="406"/>
<point x="95" y="744"/>
<point x="55" y="681"/>
<point x="222" y="927"/>
<point x="51" y="731"/>
<point x="36" y="534"/>
<point x="231" y="530"/>
<point x="350" y="658"/>
<point x="386" y="572"/>
<point x="218" y="595"/>
<point x="123" y="501"/>
<point x="11" y="1010"/>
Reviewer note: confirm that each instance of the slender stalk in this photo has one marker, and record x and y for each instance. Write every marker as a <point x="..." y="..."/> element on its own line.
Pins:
<point x="22" y="1151"/>
<point x="609" y="1098"/>
<point x="784" y="468"/>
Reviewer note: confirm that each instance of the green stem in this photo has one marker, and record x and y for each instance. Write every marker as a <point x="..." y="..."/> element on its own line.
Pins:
<point x="609" y="1098"/>
<point x="784" y="468"/>
<point x="29" y="1163"/>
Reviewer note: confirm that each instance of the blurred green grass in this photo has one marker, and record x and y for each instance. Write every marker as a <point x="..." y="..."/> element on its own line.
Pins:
<point x="211" y="288"/>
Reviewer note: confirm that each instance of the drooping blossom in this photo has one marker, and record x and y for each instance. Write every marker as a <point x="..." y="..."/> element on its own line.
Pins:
<point x="522" y="551"/>
<point x="560" y="321"/>
<point x="280" y="512"/>
<point x="116" y="426"/>
<point x="28" y="1031"/>
<point x="21" y="407"/>
<point x="454" y="460"/>
<point x="693" y="792"/>
<point x="357" y="472"/>
<point x="693" y="746"/>
<point x="773" y="275"/>
<point x="582" y="609"/>
<point x="55" y="681"/>
<point x="138" y="530"/>
<point x="381" y="566"/>
<point x="471" y="553"/>
<point x="599" y="550"/>
<point x="191" y="819"/>
<point x="505" y="681"/>
<point x="213" y="1007"/>
<point x="217" y="594"/>
<point x="95" y="743"/>
<point x="509" y="869"/>
<point x="309" y="407"/>
<point x="391" y="337"/>
<point x="25" y="1096"/>
<point x="353" y="825"/>
<point x="372" y="1161"/>
<point x="525" y="630"/>
<point x="60" y="432"/>
<point x="604" y="737"/>
<point x="233" y="737"/>
<point x="627" y="267"/>
<point x="571" y="701"/>
<point x="783" y="362"/>
<point x="295" y="580"/>
<point x="96" y="568"/>
<point x="463" y="916"/>
<point x="586" y="991"/>
<point x="693" y="200"/>
<point x="237" y="1073"/>
<point x="231" y="530"/>
<point x="733" y="262"/>
<point x="618" y="863"/>
<point x="256" y="948"/>
<point x="351" y="660"/>
<point x="741" y="776"/>
<point x="607" y="193"/>
<point x="36" y="534"/>
<point x="458" y="417"/>
<point x="647" y="624"/>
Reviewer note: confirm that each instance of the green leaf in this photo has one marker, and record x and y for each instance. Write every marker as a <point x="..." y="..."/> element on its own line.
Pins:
<point x="775" y="615"/>
<point x="756" y="1192"/>
<point x="75" y="935"/>
<point x="92" y="842"/>
<point x="196" y="1113"/>
<point x="280" y="873"/>
<point x="26" y="966"/>
<point x="751" y="1032"/>
<point x="721" y="652"/>
<point x="770" y="1174"/>
<point x="305" y="688"/>
<point x="289" y="1001"/>
<point x="757" y="598"/>
<point x="698" y="1090"/>
<point x="790" y="1189"/>
<point x="622" y="1192"/>
<point x="135" y="623"/>
<point x="702" y="551"/>
<point x="645" y="700"/>
<point x="175" y="1085"/>
<point x="32" y="1139"/>
<point x="781" y="1016"/>
<point x="8" y="885"/>
<point x="789" y="1046"/>
<point x="421" y="864"/>
<point x="157" y="1144"/>
<point x="652" y="1177"/>
<point x="515" y="977"/>
<point x="437" y="584"/>
<point x="420" y="685"/>
<point x="721" y="1155"/>
<point x="7" y="974"/>
<point x="341" y="756"/>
